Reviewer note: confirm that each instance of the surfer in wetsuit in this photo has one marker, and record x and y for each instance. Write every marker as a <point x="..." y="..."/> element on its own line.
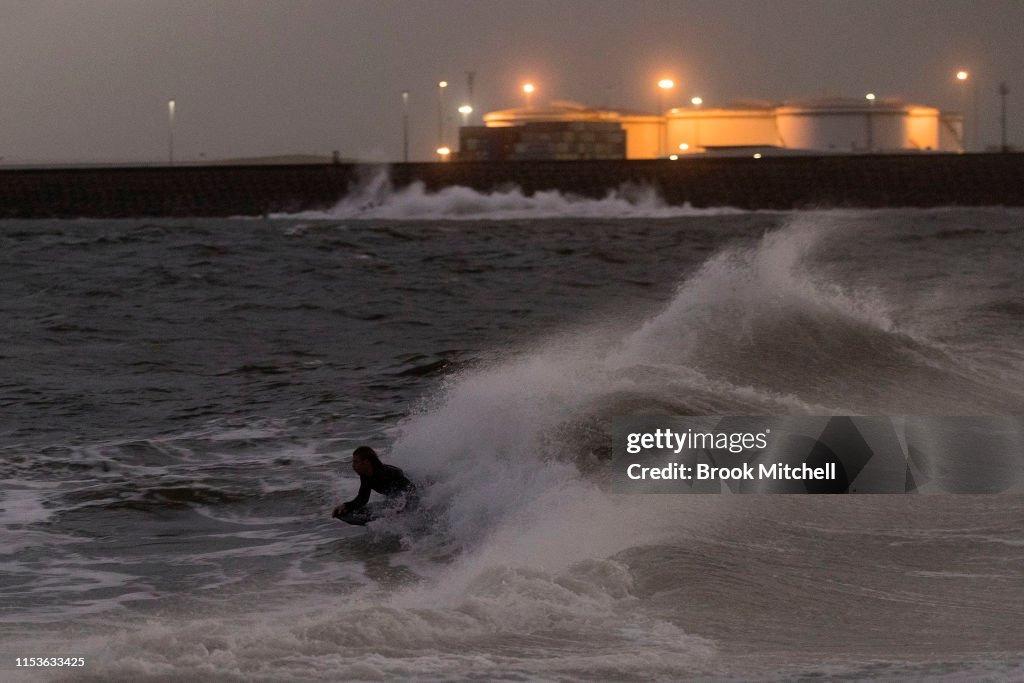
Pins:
<point x="374" y="475"/>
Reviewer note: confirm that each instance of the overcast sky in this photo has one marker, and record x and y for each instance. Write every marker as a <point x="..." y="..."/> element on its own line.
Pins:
<point x="89" y="80"/>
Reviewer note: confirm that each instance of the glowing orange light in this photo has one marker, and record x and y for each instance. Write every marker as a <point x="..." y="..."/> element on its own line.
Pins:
<point x="528" y="88"/>
<point x="696" y="101"/>
<point x="666" y="83"/>
<point x="962" y="75"/>
<point x="442" y="84"/>
<point x="443" y="151"/>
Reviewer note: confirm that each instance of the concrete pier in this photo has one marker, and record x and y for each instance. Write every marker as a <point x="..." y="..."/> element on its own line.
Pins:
<point x="791" y="182"/>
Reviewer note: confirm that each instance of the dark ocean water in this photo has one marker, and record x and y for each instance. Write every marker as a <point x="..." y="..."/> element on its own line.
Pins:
<point x="178" y="401"/>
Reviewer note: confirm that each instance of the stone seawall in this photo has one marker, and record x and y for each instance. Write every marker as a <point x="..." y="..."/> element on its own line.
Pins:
<point x="918" y="180"/>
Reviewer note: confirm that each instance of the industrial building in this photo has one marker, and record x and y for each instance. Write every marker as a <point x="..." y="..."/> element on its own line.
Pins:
<point x="820" y="125"/>
<point x="641" y="130"/>
<point x="566" y="140"/>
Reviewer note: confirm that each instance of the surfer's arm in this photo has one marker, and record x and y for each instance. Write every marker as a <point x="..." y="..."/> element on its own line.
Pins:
<point x="362" y="497"/>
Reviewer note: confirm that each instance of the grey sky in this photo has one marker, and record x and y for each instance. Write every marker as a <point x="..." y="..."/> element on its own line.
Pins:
<point x="89" y="80"/>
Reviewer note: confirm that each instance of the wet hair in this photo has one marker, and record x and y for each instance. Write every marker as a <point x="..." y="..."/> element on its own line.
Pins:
<point x="367" y="453"/>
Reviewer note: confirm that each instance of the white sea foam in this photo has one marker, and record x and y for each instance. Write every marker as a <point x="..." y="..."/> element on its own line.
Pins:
<point x="500" y="618"/>
<point x="21" y="503"/>
<point x="377" y="198"/>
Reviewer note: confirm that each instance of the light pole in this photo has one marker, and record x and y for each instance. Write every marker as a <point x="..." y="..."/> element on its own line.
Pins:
<point x="870" y="97"/>
<point x="405" y="126"/>
<point x="170" y="132"/>
<point x="440" y="113"/>
<point x="465" y="110"/>
<point x="663" y="85"/>
<point x="963" y="76"/>
<point x="1004" y="90"/>
<point x="528" y="89"/>
<point x="696" y="102"/>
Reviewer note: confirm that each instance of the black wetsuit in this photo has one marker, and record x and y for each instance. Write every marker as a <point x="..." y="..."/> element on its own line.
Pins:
<point x="388" y="481"/>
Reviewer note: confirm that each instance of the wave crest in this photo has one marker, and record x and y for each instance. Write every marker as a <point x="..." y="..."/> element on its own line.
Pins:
<point x="375" y="197"/>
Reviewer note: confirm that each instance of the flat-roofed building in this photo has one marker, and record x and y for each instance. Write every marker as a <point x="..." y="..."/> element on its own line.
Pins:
<point x="641" y="129"/>
<point x="563" y="140"/>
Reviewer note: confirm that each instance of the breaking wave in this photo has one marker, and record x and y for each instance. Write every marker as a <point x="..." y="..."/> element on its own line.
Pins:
<point x="377" y="198"/>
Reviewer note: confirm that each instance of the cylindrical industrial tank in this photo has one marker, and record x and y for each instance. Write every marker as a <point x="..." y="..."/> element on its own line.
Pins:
<point x="693" y="130"/>
<point x="643" y="133"/>
<point x="924" y="128"/>
<point x="844" y="124"/>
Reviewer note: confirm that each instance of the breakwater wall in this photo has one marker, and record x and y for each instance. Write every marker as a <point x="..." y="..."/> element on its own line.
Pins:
<point x="785" y="182"/>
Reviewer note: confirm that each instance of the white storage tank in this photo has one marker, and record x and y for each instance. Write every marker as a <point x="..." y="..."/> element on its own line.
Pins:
<point x="692" y="130"/>
<point x="857" y="125"/>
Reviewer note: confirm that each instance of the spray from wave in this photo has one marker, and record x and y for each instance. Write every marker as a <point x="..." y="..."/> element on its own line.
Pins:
<point x="375" y="197"/>
<point x="505" y="445"/>
<point x="759" y="329"/>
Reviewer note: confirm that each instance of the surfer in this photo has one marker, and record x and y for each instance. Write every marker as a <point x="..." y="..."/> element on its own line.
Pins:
<point x="388" y="480"/>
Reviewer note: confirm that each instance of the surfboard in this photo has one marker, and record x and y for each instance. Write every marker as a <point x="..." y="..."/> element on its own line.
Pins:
<point x="366" y="514"/>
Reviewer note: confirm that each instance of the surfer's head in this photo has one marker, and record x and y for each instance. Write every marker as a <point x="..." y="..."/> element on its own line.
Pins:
<point x="365" y="461"/>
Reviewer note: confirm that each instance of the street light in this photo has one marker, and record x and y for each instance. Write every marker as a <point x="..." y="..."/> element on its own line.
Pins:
<point x="440" y="112"/>
<point x="663" y="85"/>
<point x="696" y="102"/>
<point x="405" y="126"/>
<point x="1004" y="90"/>
<point x="443" y="152"/>
<point x="870" y="97"/>
<point x="170" y="132"/>
<point x="528" y="89"/>
<point x="963" y="76"/>
<point x="465" y="110"/>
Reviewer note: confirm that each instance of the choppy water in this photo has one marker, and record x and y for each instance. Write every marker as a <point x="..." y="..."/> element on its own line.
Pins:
<point x="179" y="399"/>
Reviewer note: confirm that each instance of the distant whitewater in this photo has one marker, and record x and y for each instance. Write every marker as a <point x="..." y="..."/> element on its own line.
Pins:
<point x="376" y="198"/>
